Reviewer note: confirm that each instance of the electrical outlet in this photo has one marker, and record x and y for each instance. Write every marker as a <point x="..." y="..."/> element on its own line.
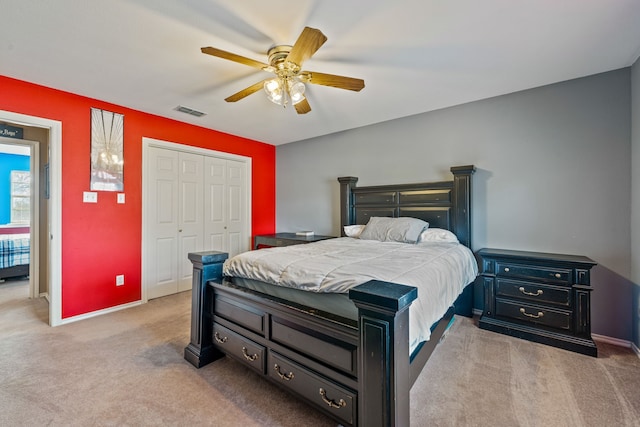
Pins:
<point x="90" y="197"/>
<point x="120" y="280"/>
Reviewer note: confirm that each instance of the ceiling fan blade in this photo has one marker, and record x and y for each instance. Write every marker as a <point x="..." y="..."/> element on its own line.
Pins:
<point x="236" y="58"/>
<point x="307" y="44"/>
<point x="332" y="80"/>
<point x="303" y="106"/>
<point x="246" y="91"/>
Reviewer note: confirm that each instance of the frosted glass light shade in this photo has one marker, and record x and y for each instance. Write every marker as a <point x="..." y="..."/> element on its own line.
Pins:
<point x="274" y="90"/>
<point x="296" y="91"/>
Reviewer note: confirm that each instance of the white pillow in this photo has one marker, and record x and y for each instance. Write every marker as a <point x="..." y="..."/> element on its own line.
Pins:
<point x="353" y="230"/>
<point x="402" y="229"/>
<point x="437" y="235"/>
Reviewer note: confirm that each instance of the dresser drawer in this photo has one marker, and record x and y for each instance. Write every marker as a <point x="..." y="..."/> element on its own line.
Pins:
<point x="534" y="314"/>
<point x="326" y="395"/>
<point x="239" y="347"/>
<point x="534" y="292"/>
<point x="533" y="272"/>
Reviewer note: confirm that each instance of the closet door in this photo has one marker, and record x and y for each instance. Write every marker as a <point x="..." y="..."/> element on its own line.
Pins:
<point x="193" y="202"/>
<point x="238" y="238"/>
<point x="225" y="206"/>
<point x="190" y="215"/>
<point x="162" y="223"/>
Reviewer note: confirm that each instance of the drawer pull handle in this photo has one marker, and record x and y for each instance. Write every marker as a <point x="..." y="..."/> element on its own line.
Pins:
<point x="341" y="403"/>
<point x="220" y="340"/>
<point x="506" y="269"/>
<point x="246" y="355"/>
<point x="535" y="316"/>
<point x="557" y="275"/>
<point x="285" y="377"/>
<point x="537" y="293"/>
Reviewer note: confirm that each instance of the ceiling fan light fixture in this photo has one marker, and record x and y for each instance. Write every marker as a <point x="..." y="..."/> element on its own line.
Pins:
<point x="274" y="89"/>
<point x="285" y="62"/>
<point x="280" y="90"/>
<point x="296" y="91"/>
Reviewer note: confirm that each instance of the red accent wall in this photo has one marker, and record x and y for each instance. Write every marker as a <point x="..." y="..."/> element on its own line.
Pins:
<point x="102" y="240"/>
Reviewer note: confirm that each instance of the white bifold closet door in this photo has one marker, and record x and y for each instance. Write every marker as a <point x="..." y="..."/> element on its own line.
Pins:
<point x="225" y="206"/>
<point x="195" y="203"/>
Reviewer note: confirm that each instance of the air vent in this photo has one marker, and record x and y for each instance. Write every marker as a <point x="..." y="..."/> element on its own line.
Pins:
<point x="191" y="111"/>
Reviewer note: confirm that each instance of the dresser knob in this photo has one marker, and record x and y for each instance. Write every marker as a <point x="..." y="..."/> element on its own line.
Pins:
<point x="506" y="269"/>
<point x="558" y="275"/>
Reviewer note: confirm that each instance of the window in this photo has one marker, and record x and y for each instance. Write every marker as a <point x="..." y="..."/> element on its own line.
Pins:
<point x="20" y="197"/>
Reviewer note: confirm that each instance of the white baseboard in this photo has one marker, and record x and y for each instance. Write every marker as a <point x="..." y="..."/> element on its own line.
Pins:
<point x="100" y="312"/>
<point x="635" y="348"/>
<point x="611" y="340"/>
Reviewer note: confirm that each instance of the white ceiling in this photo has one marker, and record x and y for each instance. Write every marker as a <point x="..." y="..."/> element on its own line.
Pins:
<point x="414" y="55"/>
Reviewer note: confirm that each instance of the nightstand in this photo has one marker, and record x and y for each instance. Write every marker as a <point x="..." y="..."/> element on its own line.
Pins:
<point x="540" y="297"/>
<point x="285" y="239"/>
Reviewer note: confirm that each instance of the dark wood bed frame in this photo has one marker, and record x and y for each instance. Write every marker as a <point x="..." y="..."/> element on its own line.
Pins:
<point x="360" y="373"/>
<point x="15" y="271"/>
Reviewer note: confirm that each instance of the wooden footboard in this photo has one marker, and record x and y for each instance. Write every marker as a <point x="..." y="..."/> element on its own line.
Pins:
<point x="357" y="375"/>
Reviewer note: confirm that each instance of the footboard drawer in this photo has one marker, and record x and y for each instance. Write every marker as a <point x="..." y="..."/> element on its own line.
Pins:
<point x="239" y="313"/>
<point x="331" y="398"/>
<point x="239" y="347"/>
<point x="326" y="349"/>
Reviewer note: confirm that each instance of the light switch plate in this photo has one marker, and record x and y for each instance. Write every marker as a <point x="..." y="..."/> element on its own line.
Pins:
<point x="90" y="197"/>
<point x="120" y="197"/>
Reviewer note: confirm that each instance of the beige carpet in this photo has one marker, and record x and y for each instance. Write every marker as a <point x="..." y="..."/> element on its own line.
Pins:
<point x="126" y="369"/>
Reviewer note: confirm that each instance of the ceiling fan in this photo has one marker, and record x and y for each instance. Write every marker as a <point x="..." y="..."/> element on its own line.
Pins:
<point x="286" y="63"/>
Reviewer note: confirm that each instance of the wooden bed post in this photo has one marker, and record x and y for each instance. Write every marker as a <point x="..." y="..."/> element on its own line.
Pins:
<point x="462" y="202"/>
<point x="347" y="183"/>
<point x="206" y="266"/>
<point x="383" y="354"/>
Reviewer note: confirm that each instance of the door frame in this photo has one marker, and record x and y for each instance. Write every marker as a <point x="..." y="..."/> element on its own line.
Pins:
<point x="55" y="205"/>
<point x="34" y="211"/>
<point x="151" y="142"/>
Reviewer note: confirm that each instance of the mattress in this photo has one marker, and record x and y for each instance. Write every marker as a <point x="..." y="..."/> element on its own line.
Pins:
<point x="440" y="271"/>
<point x="14" y="250"/>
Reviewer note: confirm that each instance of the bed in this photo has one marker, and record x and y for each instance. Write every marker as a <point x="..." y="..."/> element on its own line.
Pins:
<point x="14" y="255"/>
<point x="357" y="369"/>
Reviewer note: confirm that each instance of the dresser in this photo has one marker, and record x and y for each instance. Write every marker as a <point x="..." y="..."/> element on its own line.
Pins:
<point x="540" y="297"/>
<point x="284" y="239"/>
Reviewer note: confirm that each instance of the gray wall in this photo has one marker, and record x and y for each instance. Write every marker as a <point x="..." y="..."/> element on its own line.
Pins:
<point x="635" y="198"/>
<point x="554" y="175"/>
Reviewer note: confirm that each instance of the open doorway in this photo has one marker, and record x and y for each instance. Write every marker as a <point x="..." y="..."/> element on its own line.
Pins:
<point x="21" y="209"/>
<point x="49" y="146"/>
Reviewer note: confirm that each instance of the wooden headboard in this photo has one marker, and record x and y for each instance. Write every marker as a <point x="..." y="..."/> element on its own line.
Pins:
<point x="444" y="204"/>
